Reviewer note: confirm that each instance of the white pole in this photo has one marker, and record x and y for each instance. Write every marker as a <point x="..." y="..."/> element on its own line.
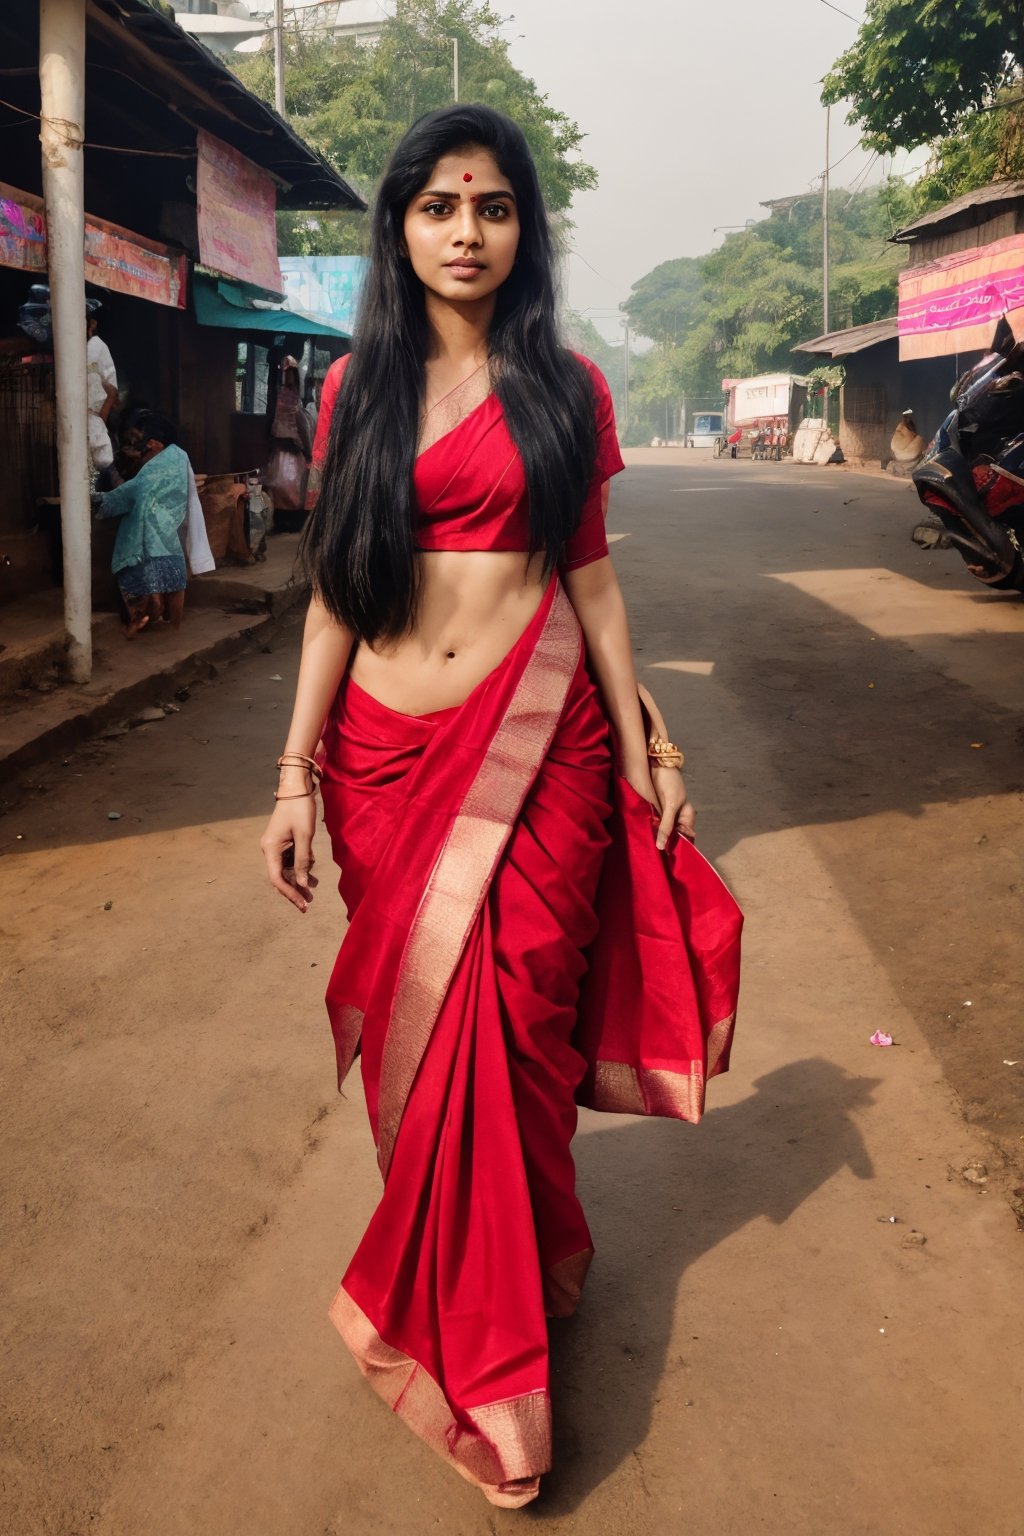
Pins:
<point x="625" y="378"/>
<point x="62" y="132"/>
<point x="824" y="229"/>
<point x="279" y="57"/>
<point x="455" y="69"/>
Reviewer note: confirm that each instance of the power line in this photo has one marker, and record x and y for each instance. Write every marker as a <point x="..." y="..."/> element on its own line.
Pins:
<point x="841" y="12"/>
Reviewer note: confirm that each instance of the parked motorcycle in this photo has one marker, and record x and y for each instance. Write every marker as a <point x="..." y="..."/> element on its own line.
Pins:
<point x="972" y="476"/>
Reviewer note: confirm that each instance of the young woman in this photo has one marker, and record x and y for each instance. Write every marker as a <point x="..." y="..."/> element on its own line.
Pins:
<point x="467" y="666"/>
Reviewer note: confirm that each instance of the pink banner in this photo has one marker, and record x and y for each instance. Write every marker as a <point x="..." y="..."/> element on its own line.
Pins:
<point x="237" y="216"/>
<point x="22" y="231"/>
<point x="952" y="305"/>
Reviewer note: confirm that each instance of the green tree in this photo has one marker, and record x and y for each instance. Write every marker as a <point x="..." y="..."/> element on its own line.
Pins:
<point x="354" y="103"/>
<point x="918" y="67"/>
<point x="742" y="308"/>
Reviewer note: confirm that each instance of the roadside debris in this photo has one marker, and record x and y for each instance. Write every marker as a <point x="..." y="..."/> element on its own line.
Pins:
<point x="880" y="1038"/>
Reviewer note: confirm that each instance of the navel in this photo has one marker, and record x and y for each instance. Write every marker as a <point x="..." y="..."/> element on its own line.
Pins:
<point x="450" y="655"/>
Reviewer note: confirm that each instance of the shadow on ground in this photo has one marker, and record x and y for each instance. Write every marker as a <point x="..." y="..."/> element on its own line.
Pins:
<point x="762" y="1157"/>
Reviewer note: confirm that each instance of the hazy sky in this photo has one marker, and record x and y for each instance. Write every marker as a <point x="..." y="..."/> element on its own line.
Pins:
<point x="695" y="111"/>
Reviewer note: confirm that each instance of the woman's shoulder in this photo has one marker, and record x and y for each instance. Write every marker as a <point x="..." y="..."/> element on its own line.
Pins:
<point x="604" y="408"/>
<point x="597" y="378"/>
<point x="336" y="371"/>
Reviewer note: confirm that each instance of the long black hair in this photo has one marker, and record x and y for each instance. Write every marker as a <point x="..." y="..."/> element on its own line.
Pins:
<point x="358" y="545"/>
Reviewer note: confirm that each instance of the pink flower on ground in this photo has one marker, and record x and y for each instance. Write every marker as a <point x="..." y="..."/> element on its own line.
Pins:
<point x="878" y="1038"/>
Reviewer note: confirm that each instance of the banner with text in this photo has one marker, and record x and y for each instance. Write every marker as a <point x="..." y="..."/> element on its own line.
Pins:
<point x="115" y="258"/>
<point x="127" y="263"/>
<point x="237" y="216"/>
<point x="952" y="304"/>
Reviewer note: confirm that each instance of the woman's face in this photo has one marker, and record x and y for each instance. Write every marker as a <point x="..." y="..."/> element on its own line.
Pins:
<point x="462" y="230"/>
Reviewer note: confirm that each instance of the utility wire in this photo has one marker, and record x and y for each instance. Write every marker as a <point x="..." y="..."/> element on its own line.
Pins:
<point x="840" y="11"/>
<point x="64" y="128"/>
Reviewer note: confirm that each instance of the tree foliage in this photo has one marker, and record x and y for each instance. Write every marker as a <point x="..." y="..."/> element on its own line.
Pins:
<point x="742" y="308"/>
<point x="918" y="67"/>
<point x="353" y="103"/>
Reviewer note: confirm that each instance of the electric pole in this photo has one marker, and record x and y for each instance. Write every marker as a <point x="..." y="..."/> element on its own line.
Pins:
<point x="279" y="57"/>
<point x="824" y="230"/>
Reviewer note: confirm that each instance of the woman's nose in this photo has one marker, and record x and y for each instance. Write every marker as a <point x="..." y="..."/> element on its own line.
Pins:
<point x="468" y="232"/>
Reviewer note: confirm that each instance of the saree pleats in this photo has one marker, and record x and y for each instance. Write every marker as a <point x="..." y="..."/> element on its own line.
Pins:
<point x="470" y="844"/>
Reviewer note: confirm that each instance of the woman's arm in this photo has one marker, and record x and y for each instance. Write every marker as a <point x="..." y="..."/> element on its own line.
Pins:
<point x="326" y="647"/>
<point x="597" y="598"/>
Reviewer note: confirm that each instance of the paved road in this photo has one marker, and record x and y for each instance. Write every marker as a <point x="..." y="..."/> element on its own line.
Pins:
<point x="761" y="1349"/>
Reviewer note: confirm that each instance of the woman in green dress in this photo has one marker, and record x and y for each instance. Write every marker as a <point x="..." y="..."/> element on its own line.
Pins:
<point x="159" y="508"/>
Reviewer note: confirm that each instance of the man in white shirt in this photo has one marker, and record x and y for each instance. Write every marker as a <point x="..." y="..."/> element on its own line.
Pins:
<point x="102" y="390"/>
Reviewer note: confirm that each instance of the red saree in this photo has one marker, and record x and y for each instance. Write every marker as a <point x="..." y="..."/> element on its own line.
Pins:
<point x="485" y="861"/>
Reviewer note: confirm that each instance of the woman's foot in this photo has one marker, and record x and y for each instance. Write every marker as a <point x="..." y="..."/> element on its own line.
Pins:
<point x="136" y="623"/>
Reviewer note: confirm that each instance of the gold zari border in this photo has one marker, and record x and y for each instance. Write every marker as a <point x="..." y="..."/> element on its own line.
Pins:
<point x="347" y="1031"/>
<point x="513" y="1439"/>
<point x="458" y="883"/>
<point x="563" y="1283"/>
<point x="626" y="1090"/>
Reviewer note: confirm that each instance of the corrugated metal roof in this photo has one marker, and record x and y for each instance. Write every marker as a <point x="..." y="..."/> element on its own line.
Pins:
<point x="213" y="94"/>
<point x="149" y="87"/>
<point x="950" y="213"/>
<point x="855" y="339"/>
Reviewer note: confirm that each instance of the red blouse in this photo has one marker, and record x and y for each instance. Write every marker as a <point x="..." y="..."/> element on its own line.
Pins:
<point x="471" y="487"/>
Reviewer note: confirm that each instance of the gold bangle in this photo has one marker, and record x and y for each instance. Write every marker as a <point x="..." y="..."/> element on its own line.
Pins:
<point x="665" y="754"/>
<point x="307" y="764"/>
<point x="305" y="794"/>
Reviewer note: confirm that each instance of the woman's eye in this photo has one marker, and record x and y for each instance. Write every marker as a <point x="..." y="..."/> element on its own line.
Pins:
<point x="436" y="209"/>
<point x="494" y="211"/>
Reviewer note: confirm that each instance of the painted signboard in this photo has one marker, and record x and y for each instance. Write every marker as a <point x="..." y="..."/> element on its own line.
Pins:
<point x="237" y="216"/>
<point x="22" y="231"/>
<point x="115" y="258"/>
<point x="127" y="263"/>
<point x="325" y="286"/>
<point x="952" y="304"/>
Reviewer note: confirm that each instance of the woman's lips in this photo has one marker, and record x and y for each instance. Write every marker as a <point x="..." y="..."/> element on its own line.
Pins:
<point x="463" y="270"/>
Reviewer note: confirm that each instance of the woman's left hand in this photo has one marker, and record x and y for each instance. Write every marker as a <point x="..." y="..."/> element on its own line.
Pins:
<point x="677" y="813"/>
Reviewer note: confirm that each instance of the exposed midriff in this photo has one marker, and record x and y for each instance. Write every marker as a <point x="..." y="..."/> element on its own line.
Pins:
<point x="474" y="605"/>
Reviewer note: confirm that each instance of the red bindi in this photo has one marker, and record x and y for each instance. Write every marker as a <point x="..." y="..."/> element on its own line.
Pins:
<point x="466" y="176"/>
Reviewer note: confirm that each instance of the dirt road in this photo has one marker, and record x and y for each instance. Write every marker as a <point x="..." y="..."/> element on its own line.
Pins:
<point x="761" y="1348"/>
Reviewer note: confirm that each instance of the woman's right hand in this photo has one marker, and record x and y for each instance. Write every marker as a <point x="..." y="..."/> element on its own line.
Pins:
<point x="287" y="846"/>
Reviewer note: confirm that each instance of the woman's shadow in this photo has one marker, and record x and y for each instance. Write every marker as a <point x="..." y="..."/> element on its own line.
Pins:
<point x="661" y="1195"/>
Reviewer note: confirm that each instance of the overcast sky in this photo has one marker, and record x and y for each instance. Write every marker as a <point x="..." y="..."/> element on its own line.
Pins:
<point x="695" y="111"/>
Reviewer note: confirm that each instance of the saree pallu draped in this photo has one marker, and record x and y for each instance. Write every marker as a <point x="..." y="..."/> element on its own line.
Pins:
<point x="471" y="844"/>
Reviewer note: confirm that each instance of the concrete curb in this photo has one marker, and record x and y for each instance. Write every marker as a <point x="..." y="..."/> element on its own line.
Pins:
<point x="83" y="716"/>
